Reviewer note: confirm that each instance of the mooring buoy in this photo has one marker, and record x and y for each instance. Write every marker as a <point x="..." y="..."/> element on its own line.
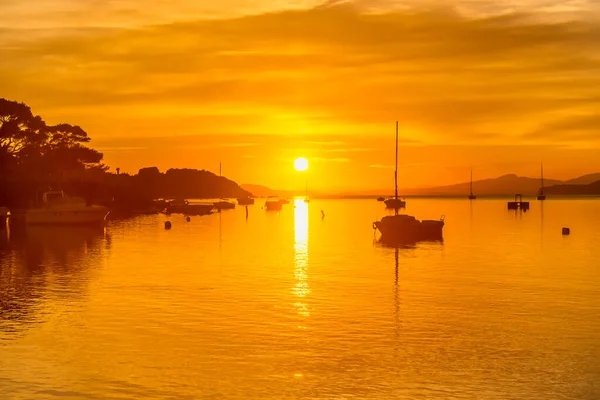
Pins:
<point x="566" y="231"/>
<point x="168" y="225"/>
<point x="188" y="219"/>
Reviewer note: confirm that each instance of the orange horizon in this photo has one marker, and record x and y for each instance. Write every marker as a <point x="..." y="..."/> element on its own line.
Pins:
<point x="256" y="85"/>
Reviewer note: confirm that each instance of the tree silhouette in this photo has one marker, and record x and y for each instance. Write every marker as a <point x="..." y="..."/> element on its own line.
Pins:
<point x="35" y="156"/>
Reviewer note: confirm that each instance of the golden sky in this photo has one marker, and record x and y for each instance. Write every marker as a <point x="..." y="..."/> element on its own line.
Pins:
<point x="499" y="86"/>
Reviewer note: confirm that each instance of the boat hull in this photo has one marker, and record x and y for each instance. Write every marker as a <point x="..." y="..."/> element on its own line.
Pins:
<point x="224" y="205"/>
<point x="407" y="229"/>
<point x="395" y="203"/>
<point x="93" y="215"/>
<point x="245" y="201"/>
<point x="190" y="209"/>
<point x="273" y="206"/>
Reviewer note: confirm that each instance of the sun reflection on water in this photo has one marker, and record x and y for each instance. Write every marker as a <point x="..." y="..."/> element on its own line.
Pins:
<point x="301" y="288"/>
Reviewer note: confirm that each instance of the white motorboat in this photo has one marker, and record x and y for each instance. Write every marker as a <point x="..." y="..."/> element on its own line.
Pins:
<point x="60" y="209"/>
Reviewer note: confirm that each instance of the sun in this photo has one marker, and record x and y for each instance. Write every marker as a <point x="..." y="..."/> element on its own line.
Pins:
<point x="301" y="164"/>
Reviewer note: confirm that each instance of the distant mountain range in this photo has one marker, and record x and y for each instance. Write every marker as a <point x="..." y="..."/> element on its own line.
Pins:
<point x="504" y="185"/>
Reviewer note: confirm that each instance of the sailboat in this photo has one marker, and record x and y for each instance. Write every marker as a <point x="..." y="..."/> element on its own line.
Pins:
<point x="471" y="195"/>
<point x="223" y="205"/>
<point x="395" y="202"/>
<point x="541" y="195"/>
<point x="402" y="228"/>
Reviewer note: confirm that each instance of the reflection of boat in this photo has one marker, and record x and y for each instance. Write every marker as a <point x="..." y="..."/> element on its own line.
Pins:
<point x="245" y="201"/>
<point x="273" y="205"/>
<point x="541" y="194"/>
<point x="59" y="209"/>
<point x="381" y="199"/>
<point x="395" y="202"/>
<point x="406" y="228"/>
<point x="471" y="195"/>
<point x="223" y="205"/>
<point x="181" y="206"/>
<point x="4" y="214"/>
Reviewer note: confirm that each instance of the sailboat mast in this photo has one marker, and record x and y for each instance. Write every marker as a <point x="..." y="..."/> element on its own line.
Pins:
<point x="396" y="170"/>
<point x="471" y="182"/>
<point x="219" y="168"/>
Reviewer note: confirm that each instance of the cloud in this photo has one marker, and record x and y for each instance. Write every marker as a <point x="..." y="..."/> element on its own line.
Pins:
<point x="326" y="143"/>
<point x="348" y="150"/>
<point x="327" y="159"/>
<point x="381" y="166"/>
<point x="119" y="148"/>
<point x="584" y="127"/>
<point x="213" y="146"/>
<point x="342" y="69"/>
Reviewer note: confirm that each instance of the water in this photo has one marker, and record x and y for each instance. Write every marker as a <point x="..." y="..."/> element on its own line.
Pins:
<point x="293" y="306"/>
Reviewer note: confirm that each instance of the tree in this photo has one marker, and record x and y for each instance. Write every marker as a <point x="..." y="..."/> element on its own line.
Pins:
<point x="20" y="131"/>
<point x="34" y="155"/>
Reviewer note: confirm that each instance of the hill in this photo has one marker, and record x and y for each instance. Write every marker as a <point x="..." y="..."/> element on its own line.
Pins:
<point x="503" y="185"/>
<point x="584" y="180"/>
<point x="590" y="189"/>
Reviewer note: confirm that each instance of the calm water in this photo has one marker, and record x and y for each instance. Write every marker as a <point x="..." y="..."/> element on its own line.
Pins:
<point x="292" y="306"/>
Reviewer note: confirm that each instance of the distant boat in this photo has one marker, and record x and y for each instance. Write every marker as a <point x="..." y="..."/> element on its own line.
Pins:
<point x="284" y="201"/>
<point x="181" y="206"/>
<point x="541" y="194"/>
<point x="471" y="195"/>
<point x="405" y="228"/>
<point x="223" y="205"/>
<point x="381" y="199"/>
<point x="395" y="202"/>
<point x="306" y="200"/>
<point x="273" y="205"/>
<point x="245" y="201"/>
<point x="60" y="209"/>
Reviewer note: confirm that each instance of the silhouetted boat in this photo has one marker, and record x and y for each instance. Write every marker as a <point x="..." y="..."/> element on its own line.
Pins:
<point x="245" y="201"/>
<point x="541" y="194"/>
<point x="395" y="202"/>
<point x="284" y="201"/>
<point x="273" y="205"/>
<point x="381" y="199"/>
<point x="223" y="205"/>
<point x="60" y="209"/>
<point x="471" y="195"/>
<point x="402" y="228"/>
<point x="306" y="200"/>
<point x="405" y="228"/>
<point x="181" y="206"/>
